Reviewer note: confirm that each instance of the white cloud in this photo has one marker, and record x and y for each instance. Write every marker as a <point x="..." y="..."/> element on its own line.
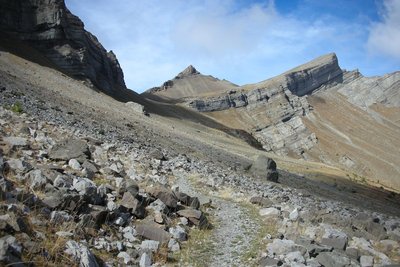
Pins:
<point x="154" y="40"/>
<point x="384" y="36"/>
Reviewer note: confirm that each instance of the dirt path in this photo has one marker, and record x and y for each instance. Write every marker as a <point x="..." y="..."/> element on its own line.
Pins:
<point x="236" y="229"/>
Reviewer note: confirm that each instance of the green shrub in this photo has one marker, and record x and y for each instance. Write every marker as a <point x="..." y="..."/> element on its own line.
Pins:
<point x="17" y="107"/>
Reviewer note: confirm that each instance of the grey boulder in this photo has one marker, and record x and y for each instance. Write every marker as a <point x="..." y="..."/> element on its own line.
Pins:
<point x="265" y="167"/>
<point x="70" y="149"/>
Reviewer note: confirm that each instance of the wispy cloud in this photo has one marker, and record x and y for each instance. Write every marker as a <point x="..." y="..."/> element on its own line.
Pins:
<point x="154" y="40"/>
<point x="385" y="36"/>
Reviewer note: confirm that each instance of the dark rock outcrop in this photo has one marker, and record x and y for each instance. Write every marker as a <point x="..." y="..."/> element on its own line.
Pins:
<point x="49" y="27"/>
<point x="308" y="77"/>
<point x="265" y="167"/>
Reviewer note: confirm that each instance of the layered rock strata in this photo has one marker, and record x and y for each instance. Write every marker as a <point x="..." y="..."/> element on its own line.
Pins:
<point x="283" y="101"/>
<point x="48" y="26"/>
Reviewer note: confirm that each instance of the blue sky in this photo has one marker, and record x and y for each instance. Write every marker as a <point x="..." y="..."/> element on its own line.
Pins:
<point x="242" y="41"/>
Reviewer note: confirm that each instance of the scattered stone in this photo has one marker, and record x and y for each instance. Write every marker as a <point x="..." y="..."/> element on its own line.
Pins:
<point x="84" y="186"/>
<point x="184" y="221"/>
<point x="366" y="261"/>
<point x="267" y="262"/>
<point x="194" y="203"/>
<point x="64" y="234"/>
<point x="145" y="260"/>
<point x="132" y="187"/>
<point x="334" y="238"/>
<point x="178" y="233"/>
<point x="129" y="233"/>
<point x="59" y="217"/>
<point x="294" y="257"/>
<point x="261" y="201"/>
<point x="10" y="251"/>
<point x="129" y="201"/>
<point x="36" y="179"/>
<point x="294" y="215"/>
<point x="74" y="164"/>
<point x="165" y="195"/>
<point x="150" y="245"/>
<point x="333" y="259"/>
<point x="62" y="181"/>
<point x="11" y="223"/>
<point x="196" y="217"/>
<point x="18" y="165"/>
<point x="283" y="247"/>
<point x="125" y="256"/>
<point x="153" y="233"/>
<point x="81" y="253"/>
<point x="70" y="149"/>
<point x="353" y="253"/>
<point x="89" y="166"/>
<point x="269" y="212"/>
<point x="157" y="154"/>
<point x="158" y="217"/>
<point x="173" y="245"/>
<point x="15" y="141"/>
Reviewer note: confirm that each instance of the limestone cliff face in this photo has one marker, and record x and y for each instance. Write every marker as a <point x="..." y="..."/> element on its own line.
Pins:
<point x="306" y="78"/>
<point x="300" y="81"/>
<point x="277" y="105"/>
<point x="367" y="91"/>
<point x="51" y="28"/>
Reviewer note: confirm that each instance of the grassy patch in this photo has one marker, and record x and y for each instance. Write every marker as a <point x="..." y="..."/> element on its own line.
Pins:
<point x="258" y="244"/>
<point x="197" y="250"/>
<point x="16" y="107"/>
<point x="99" y="180"/>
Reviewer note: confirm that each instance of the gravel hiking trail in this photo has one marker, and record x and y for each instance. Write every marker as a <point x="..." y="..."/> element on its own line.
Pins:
<point x="235" y="231"/>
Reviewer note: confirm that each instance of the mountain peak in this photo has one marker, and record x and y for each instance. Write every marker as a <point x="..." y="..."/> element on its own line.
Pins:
<point x="189" y="71"/>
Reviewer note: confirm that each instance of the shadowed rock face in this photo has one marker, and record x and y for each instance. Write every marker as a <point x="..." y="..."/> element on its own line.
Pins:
<point x="51" y="28"/>
<point x="310" y="76"/>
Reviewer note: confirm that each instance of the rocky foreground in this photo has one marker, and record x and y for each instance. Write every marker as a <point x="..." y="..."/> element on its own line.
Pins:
<point x="73" y="196"/>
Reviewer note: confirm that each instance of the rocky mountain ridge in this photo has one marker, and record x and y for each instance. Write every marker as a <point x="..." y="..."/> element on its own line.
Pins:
<point x="87" y="180"/>
<point x="60" y="36"/>
<point x="50" y="149"/>
<point x="275" y="106"/>
<point x="278" y="113"/>
<point x="189" y="83"/>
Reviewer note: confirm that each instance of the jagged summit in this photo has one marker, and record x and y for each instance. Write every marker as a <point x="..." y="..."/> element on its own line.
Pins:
<point x="189" y="83"/>
<point x="189" y="71"/>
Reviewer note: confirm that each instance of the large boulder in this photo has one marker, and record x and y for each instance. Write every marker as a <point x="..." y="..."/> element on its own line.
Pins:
<point x="70" y="149"/>
<point x="153" y="233"/>
<point x="196" y="217"/>
<point x="165" y="195"/>
<point x="265" y="167"/>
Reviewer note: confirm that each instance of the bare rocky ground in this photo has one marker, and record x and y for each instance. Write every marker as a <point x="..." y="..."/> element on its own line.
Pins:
<point x="111" y="197"/>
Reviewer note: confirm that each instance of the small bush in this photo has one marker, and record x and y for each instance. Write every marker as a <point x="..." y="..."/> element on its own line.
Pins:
<point x="17" y="107"/>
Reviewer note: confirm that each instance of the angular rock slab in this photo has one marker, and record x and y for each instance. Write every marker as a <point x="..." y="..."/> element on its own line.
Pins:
<point x="153" y="233"/>
<point x="70" y="149"/>
<point x="196" y="217"/>
<point x="165" y="195"/>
